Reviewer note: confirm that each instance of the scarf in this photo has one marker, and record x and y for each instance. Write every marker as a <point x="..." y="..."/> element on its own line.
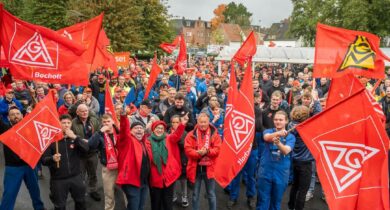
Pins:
<point x="159" y="150"/>
<point x="204" y="137"/>
<point x="111" y="153"/>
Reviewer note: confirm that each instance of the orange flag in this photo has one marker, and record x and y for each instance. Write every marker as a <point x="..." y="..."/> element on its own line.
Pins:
<point x="247" y="50"/>
<point x="154" y="72"/>
<point x="351" y="154"/>
<point x="86" y="34"/>
<point x="339" y="51"/>
<point x="30" y="137"/>
<point x="239" y="129"/>
<point x="38" y="53"/>
<point x="181" y="61"/>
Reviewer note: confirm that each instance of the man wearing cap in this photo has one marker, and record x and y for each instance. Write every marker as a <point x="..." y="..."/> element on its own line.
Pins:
<point x="133" y="163"/>
<point x="7" y="102"/>
<point x="90" y="101"/>
<point x="144" y="115"/>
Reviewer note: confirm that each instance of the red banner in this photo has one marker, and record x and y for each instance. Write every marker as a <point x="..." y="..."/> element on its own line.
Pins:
<point x="30" y="137"/>
<point x="38" y="53"/>
<point x="239" y="129"/>
<point x="351" y="154"/>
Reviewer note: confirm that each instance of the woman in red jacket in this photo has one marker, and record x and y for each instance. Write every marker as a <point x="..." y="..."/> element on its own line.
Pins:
<point x="133" y="163"/>
<point x="165" y="168"/>
<point x="202" y="148"/>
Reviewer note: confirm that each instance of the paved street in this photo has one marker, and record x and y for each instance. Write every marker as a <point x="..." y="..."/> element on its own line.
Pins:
<point x="24" y="202"/>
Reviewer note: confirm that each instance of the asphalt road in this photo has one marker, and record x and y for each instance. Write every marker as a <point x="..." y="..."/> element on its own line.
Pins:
<point x="23" y="201"/>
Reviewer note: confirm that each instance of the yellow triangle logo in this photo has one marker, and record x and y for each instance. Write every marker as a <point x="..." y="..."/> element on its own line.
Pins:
<point x="359" y="55"/>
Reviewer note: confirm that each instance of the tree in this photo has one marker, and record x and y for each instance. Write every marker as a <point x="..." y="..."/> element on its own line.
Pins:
<point x="217" y="36"/>
<point x="155" y="25"/>
<point x="366" y="15"/>
<point x="237" y="14"/>
<point x="219" y="17"/>
<point x="48" y="13"/>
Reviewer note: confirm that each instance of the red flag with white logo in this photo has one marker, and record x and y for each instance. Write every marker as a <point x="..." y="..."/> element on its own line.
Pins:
<point x="181" y="61"/>
<point x="109" y="105"/>
<point x="247" y="50"/>
<point x="170" y="47"/>
<point x="345" y="86"/>
<point x="239" y="129"/>
<point x="86" y="34"/>
<point x="350" y="147"/>
<point x="38" y="53"/>
<point x="30" y="137"/>
<point x="154" y="72"/>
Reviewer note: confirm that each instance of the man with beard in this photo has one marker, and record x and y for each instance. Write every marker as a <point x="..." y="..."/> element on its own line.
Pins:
<point x="16" y="170"/>
<point x="181" y="110"/>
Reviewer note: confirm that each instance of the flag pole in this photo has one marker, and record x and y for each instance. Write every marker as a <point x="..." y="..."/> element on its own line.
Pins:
<point x="58" y="162"/>
<point x="376" y="86"/>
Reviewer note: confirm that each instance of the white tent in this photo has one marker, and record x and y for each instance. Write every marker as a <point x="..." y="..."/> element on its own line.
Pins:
<point x="281" y="54"/>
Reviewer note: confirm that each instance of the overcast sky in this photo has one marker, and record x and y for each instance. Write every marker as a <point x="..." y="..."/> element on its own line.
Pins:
<point x="267" y="11"/>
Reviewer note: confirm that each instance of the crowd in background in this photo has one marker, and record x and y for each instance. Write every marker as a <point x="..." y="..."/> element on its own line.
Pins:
<point x="170" y="141"/>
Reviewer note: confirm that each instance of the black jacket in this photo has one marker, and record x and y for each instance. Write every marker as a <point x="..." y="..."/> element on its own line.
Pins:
<point x="70" y="151"/>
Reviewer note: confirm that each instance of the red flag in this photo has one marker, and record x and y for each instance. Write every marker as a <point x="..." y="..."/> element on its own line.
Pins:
<point x="30" y="137"/>
<point x="109" y="105"/>
<point x="247" y="50"/>
<point x="103" y="56"/>
<point x="38" y="53"/>
<point x="271" y="44"/>
<point x="351" y="154"/>
<point x="339" y="51"/>
<point x="347" y="85"/>
<point x="154" y="72"/>
<point x="239" y="130"/>
<point x="181" y="62"/>
<point x="86" y="34"/>
<point x="3" y="60"/>
<point x="170" y="47"/>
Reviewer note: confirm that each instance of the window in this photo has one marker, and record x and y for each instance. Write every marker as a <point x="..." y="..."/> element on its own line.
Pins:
<point x="188" y="34"/>
<point x="188" y="23"/>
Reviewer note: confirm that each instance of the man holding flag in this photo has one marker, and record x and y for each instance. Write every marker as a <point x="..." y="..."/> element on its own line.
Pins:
<point x="63" y="159"/>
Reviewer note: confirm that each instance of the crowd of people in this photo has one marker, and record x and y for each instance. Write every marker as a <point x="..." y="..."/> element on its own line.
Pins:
<point x="171" y="140"/>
